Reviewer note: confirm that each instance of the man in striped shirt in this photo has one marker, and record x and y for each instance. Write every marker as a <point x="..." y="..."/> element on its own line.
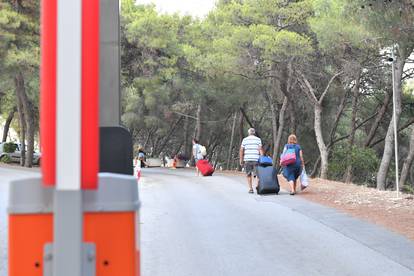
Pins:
<point x="250" y="151"/>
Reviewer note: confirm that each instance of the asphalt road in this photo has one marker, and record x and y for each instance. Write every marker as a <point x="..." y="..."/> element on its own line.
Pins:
<point x="211" y="226"/>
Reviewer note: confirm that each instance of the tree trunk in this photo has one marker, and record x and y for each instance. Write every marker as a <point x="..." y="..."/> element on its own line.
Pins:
<point x="310" y="93"/>
<point x="186" y="137"/>
<point x="274" y="116"/>
<point x="28" y="118"/>
<point x="317" y="103"/>
<point x="321" y="144"/>
<point x="22" y="130"/>
<point x="351" y="139"/>
<point x="30" y="134"/>
<point x="286" y="86"/>
<point x="389" y="140"/>
<point x="412" y="178"/>
<point x="278" y="139"/>
<point x="378" y="119"/>
<point x="233" y="129"/>
<point x="241" y="127"/>
<point x="316" y="166"/>
<point x="147" y="140"/>
<point x="333" y="141"/>
<point x="7" y="124"/>
<point x="178" y="149"/>
<point x="406" y="125"/>
<point x="338" y="116"/>
<point x="215" y="163"/>
<point x="292" y="117"/>
<point x="198" y="122"/>
<point x="247" y="119"/>
<point x="274" y="127"/>
<point x="408" y="161"/>
<point x="155" y="143"/>
<point x="241" y="134"/>
<point x="167" y="138"/>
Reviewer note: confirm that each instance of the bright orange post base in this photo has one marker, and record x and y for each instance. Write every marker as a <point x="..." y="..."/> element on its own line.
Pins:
<point x="114" y="234"/>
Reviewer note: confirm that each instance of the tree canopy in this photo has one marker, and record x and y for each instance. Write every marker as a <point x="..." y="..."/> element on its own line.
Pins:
<point x="321" y="69"/>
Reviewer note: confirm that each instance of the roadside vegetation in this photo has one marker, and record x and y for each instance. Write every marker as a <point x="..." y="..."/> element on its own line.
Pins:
<point x="319" y="68"/>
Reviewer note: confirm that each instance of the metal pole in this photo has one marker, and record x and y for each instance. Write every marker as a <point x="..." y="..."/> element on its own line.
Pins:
<point x="68" y="233"/>
<point x="109" y="86"/>
<point x="67" y="221"/>
<point x="395" y="124"/>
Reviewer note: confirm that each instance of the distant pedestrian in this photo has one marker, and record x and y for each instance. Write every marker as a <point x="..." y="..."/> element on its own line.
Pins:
<point x="141" y="157"/>
<point x="250" y="151"/>
<point x="292" y="162"/>
<point x="197" y="153"/>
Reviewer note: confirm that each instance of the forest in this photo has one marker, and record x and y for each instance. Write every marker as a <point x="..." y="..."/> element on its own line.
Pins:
<point x="325" y="70"/>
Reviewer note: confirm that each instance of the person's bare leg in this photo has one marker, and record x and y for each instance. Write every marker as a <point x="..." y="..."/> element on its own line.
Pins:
<point x="292" y="187"/>
<point x="256" y="177"/>
<point x="249" y="182"/>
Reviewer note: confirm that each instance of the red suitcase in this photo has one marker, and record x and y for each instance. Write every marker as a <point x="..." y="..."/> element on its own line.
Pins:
<point x="205" y="168"/>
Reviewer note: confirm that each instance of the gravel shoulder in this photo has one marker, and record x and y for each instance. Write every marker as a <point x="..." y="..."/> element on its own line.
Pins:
<point x="379" y="207"/>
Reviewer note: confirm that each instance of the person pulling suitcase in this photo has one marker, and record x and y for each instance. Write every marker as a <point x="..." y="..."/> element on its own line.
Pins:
<point x="250" y="152"/>
<point x="197" y="154"/>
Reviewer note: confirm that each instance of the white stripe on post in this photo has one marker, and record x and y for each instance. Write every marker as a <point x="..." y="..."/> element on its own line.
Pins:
<point x="69" y="55"/>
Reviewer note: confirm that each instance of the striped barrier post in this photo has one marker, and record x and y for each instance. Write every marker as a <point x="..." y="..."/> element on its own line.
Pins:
<point x="64" y="223"/>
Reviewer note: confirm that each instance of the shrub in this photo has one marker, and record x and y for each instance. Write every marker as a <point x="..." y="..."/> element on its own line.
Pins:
<point x="9" y="147"/>
<point x="5" y="159"/>
<point x="364" y="163"/>
<point x="408" y="189"/>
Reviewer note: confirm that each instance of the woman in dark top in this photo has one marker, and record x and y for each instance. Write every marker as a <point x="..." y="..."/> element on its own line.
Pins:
<point x="293" y="171"/>
<point x="141" y="157"/>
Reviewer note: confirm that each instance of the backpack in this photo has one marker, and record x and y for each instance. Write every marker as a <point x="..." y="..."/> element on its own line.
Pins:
<point x="288" y="157"/>
<point x="203" y="150"/>
<point x="265" y="161"/>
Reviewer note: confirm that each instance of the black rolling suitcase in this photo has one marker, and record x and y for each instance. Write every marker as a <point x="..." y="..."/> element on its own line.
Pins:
<point x="268" y="182"/>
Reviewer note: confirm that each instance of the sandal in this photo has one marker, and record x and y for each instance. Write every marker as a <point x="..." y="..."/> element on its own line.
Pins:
<point x="292" y="193"/>
<point x="251" y="191"/>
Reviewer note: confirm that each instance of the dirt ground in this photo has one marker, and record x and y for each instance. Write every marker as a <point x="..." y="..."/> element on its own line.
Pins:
<point x="379" y="207"/>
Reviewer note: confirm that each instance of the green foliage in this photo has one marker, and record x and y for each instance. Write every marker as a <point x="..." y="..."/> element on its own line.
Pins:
<point x="337" y="28"/>
<point x="364" y="160"/>
<point x="19" y="46"/>
<point x="5" y="159"/>
<point x="239" y="56"/>
<point x="390" y="19"/>
<point x="9" y="147"/>
<point x="408" y="90"/>
<point x="408" y="189"/>
<point x="173" y="64"/>
<point x="19" y="52"/>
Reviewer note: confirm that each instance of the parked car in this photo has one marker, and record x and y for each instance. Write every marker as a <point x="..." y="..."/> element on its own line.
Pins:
<point x="16" y="155"/>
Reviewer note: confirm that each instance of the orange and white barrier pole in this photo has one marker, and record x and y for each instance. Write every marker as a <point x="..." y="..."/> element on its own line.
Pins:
<point x="82" y="229"/>
<point x="138" y="170"/>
